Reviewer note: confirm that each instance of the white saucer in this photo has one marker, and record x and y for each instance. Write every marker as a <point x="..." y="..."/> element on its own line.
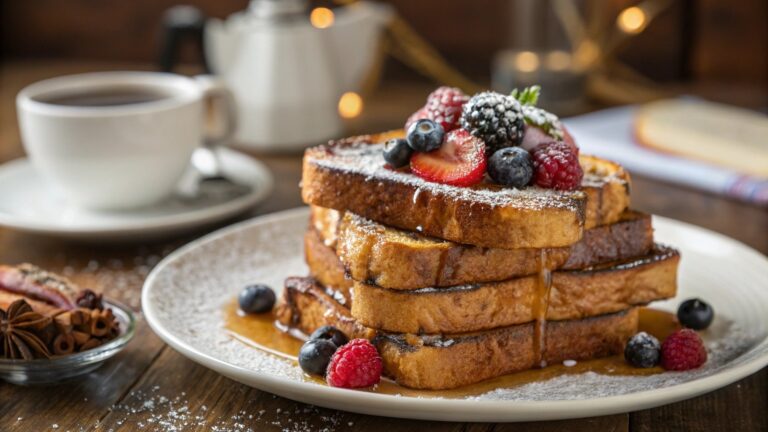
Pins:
<point x="184" y="297"/>
<point x="27" y="204"/>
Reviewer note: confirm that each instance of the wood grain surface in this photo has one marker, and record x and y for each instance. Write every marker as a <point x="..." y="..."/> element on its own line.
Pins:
<point x="149" y="386"/>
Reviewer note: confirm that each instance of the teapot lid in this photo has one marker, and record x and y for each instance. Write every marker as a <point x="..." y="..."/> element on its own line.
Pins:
<point x="277" y="8"/>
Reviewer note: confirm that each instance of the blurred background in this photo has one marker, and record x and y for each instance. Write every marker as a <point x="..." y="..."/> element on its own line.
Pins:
<point x="716" y="45"/>
<point x="587" y="55"/>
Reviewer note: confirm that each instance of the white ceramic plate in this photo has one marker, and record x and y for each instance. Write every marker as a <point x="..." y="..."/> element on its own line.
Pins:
<point x="27" y="204"/>
<point x="183" y="299"/>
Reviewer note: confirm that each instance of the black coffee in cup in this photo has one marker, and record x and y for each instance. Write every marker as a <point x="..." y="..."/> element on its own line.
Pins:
<point x="104" y="97"/>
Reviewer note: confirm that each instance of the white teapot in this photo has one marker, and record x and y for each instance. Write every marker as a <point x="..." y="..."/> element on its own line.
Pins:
<point x="287" y="75"/>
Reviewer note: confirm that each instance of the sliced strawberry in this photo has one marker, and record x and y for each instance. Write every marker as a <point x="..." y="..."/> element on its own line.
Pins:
<point x="422" y="113"/>
<point x="460" y="161"/>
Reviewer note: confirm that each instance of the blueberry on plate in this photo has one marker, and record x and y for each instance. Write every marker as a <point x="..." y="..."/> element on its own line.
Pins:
<point x="257" y="298"/>
<point x="330" y="333"/>
<point x="643" y="351"/>
<point x="695" y="314"/>
<point x="425" y="135"/>
<point x="397" y="152"/>
<point x="315" y="355"/>
<point x="511" y="166"/>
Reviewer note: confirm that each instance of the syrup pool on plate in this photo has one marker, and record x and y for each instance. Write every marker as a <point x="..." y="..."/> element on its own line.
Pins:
<point x="260" y="332"/>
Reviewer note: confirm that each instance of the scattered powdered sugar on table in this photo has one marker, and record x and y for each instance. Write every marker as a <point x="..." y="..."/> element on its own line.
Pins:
<point x="154" y="410"/>
<point x="189" y="294"/>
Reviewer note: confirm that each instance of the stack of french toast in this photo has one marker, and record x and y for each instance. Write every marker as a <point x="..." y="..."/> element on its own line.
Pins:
<point x="455" y="284"/>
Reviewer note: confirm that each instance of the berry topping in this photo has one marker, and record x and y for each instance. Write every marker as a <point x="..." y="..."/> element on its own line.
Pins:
<point x="695" y="314"/>
<point x="315" y="355"/>
<point x="330" y="333"/>
<point x="683" y="350"/>
<point x="256" y="298"/>
<point x="356" y="364"/>
<point x="397" y="152"/>
<point x="495" y="118"/>
<point x="459" y="162"/>
<point x="534" y="136"/>
<point x="425" y="135"/>
<point x="556" y="166"/>
<point x="422" y="113"/>
<point x="511" y="166"/>
<point x="643" y="351"/>
<point x="444" y="106"/>
<point x="535" y="116"/>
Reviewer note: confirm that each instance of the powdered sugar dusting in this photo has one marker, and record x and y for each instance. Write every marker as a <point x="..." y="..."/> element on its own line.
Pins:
<point x="188" y="293"/>
<point x="365" y="158"/>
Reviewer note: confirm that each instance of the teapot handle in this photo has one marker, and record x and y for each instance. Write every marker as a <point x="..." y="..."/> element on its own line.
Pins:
<point x="181" y="24"/>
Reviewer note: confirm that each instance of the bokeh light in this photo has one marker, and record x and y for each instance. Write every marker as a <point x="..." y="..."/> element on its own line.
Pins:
<point x="321" y="17"/>
<point x="632" y="20"/>
<point x="526" y="61"/>
<point x="350" y="105"/>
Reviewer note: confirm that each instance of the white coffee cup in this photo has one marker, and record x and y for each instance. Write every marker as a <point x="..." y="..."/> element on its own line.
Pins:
<point x="117" y="140"/>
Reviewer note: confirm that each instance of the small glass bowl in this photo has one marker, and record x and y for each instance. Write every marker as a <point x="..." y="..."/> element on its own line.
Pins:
<point x="48" y="371"/>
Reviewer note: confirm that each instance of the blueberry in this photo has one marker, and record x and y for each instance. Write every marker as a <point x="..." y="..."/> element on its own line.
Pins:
<point x="425" y="135"/>
<point x="256" y="298"/>
<point x="695" y="314"/>
<point x="397" y="152"/>
<point x="643" y="351"/>
<point x="511" y="166"/>
<point x="330" y="333"/>
<point x="315" y="355"/>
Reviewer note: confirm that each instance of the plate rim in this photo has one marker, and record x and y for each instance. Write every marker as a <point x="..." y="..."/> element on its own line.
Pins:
<point x="177" y="221"/>
<point x="442" y="409"/>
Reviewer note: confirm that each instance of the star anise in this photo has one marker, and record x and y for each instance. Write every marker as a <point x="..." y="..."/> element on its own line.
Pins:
<point x="19" y="326"/>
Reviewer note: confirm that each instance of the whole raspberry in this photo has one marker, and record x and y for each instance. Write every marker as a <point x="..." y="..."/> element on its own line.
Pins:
<point x="354" y="365"/>
<point x="422" y="113"/>
<point x="683" y="350"/>
<point x="444" y="106"/>
<point x="556" y="166"/>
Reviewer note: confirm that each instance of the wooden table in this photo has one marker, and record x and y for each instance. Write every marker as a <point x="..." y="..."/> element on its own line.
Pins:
<point x="150" y="386"/>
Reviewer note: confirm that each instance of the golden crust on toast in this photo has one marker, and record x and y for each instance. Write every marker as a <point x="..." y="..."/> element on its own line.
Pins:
<point x="350" y="175"/>
<point x="397" y="259"/>
<point x="574" y="294"/>
<point x="449" y="361"/>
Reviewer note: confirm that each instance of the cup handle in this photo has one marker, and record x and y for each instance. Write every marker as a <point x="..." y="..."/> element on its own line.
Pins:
<point x="213" y="88"/>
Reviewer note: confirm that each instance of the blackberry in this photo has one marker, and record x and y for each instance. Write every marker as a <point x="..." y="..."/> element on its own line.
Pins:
<point x="494" y="118"/>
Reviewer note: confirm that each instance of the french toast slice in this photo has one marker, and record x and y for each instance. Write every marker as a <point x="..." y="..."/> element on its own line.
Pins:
<point x="453" y="360"/>
<point x="397" y="259"/>
<point x="574" y="294"/>
<point x="350" y="174"/>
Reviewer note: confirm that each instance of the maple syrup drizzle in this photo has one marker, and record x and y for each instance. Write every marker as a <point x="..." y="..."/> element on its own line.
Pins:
<point x="261" y="332"/>
<point x="540" y="308"/>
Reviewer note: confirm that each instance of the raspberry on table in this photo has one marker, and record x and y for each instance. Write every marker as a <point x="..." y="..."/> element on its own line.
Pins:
<point x="355" y="365"/>
<point x="444" y="106"/>
<point x="683" y="350"/>
<point x="556" y="166"/>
